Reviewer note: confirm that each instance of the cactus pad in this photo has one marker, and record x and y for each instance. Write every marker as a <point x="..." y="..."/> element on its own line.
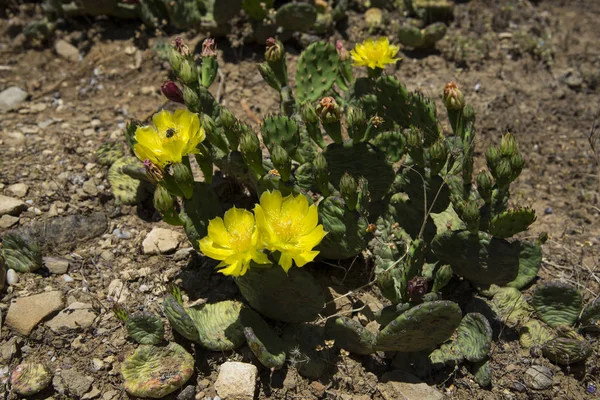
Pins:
<point x="479" y="258"/>
<point x="346" y="230"/>
<point x="296" y="17"/>
<point x="482" y="372"/>
<point x="257" y="9"/>
<point x="145" y="328"/>
<point x="348" y="158"/>
<point x="511" y="222"/>
<point x="179" y="319"/>
<point x="21" y="253"/>
<point x="566" y="350"/>
<point x="474" y="337"/>
<point x="350" y="335"/>
<point x="422" y="327"/>
<point x="218" y="325"/>
<point x="306" y="348"/>
<point x="392" y="144"/>
<point x="262" y="340"/>
<point x="442" y="277"/>
<point x="109" y="152"/>
<point x="449" y="354"/>
<point x="590" y="317"/>
<point x="281" y="130"/>
<point x="530" y="257"/>
<point x="510" y="306"/>
<point x="154" y="372"/>
<point x="534" y="334"/>
<point x="318" y="68"/>
<point x="28" y="379"/>
<point x="557" y="303"/>
<point x="291" y="297"/>
<point x="125" y="189"/>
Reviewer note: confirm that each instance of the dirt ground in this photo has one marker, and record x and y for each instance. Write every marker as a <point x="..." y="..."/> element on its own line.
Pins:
<point x="529" y="68"/>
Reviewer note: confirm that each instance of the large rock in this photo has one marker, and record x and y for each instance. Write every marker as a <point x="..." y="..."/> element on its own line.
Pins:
<point x="236" y="381"/>
<point x="400" y="385"/>
<point x="161" y="241"/>
<point x="77" y="316"/>
<point x="77" y="383"/>
<point x="11" y="97"/>
<point x="538" y="377"/>
<point x="8" y="221"/>
<point x="11" y="206"/>
<point x="18" y="189"/>
<point x="25" y="313"/>
<point x="57" y="265"/>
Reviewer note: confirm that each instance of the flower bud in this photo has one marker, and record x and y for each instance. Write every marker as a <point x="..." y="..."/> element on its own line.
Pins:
<point x="341" y="50"/>
<point x="281" y="161"/>
<point x="492" y="156"/>
<point x="268" y="75"/>
<point x="175" y="58"/>
<point x="153" y="173"/>
<point x="191" y="99"/>
<point x="376" y="121"/>
<point x="209" y="48"/>
<point x="438" y="155"/>
<point x="172" y="92"/>
<point x="329" y="110"/>
<point x="188" y="72"/>
<point x="485" y="185"/>
<point x="469" y="213"/>
<point x="166" y="205"/>
<point x="228" y="120"/>
<point x="308" y="112"/>
<point x="508" y="145"/>
<point x="274" y="51"/>
<point x="516" y="163"/>
<point x="453" y="97"/>
<point x="181" y="47"/>
<point x="182" y="174"/>
<point x="416" y="288"/>
<point x="321" y="174"/>
<point x="349" y="191"/>
<point x="356" y="116"/>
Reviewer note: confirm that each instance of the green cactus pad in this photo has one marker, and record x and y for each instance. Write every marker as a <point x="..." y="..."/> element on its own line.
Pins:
<point x="348" y="158"/>
<point x="280" y="130"/>
<point x="153" y="13"/>
<point x="291" y="297"/>
<point x="590" y="317"/>
<point x="449" y="354"/>
<point x="480" y="258"/>
<point x="530" y="257"/>
<point x="423" y="115"/>
<point x="511" y="222"/>
<point x="566" y="350"/>
<point x="154" y="372"/>
<point x="125" y="189"/>
<point x="145" y="328"/>
<point x="296" y="17"/>
<point x="21" y="253"/>
<point x="447" y="220"/>
<point x="433" y="34"/>
<point x="534" y="334"/>
<point x="510" y="306"/>
<point x="218" y="325"/>
<point x="412" y="181"/>
<point x="392" y="102"/>
<point x="318" y="69"/>
<point x="482" y="371"/>
<point x="410" y="36"/>
<point x="262" y="340"/>
<point x="474" y="337"/>
<point x="202" y="207"/>
<point x="109" y="152"/>
<point x="346" y="230"/>
<point x="557" y="303"/>
<point x="306" y="349"/>
<point x="420" y="328"/>
<point x="184" y="14"/>
<point x="390" y="313"/>
<point x="28" y="379"/>
<point x="392" y="144"/>
<point x="257" y="9"/>
<point x="179" y="319"/>
<point x="350" y="335"/>
<point x="442" y="277"/>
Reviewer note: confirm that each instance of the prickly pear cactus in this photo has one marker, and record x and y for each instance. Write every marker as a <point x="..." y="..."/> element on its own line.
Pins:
<point x="218" y="325"/>
<point x="568" y="349"/>
<point x="155" y="372"/>
<point x="557" y="303"/>
<point x="474" y="337"/>
<point x="292" y="297"/>
<point x="262" y="340"/>
<point x="350" y="335"/>
<point x="145" y="328"/>
<point x="510" y="306"/>
<point x="530" y="258"/>
<point x="296" y="17"/>
<point x="306" y="348"/>
<point x="125" y="189"/>
<point x="534" y="334"/>
<point x="420" y="328"/>
<point x="28" y="379"/>
<point x="109" y="152"/>
<point x="22" y="254"/>
<point x="509" y="223"/>
<point x="590" y="317"/>
<point x="318" y="68"/>
<point x="179" y="318"/>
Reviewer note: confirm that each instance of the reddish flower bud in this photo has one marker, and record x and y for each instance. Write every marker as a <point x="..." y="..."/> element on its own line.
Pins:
<point x="209" y="48"/>
<point x="341" y="50"/>
<point x="181" y="47"/>
<point x="417" y="287"/>
<point x="274" y="50"/>
<point x="453" y="97"/>
<point x="153" y="173"/>
<point x="172" y="92"/>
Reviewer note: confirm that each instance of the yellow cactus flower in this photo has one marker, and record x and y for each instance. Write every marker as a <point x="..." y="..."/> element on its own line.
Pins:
<point x="172" y="137"/>
<point x="233" y="240"/>
<point x="290" y="226"/>
<point x="374" y="54"/>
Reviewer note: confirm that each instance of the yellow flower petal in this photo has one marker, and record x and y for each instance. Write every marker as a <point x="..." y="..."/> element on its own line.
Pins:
<point x="162" y="120"/>
<point x="214" y="251"/>
<point x="217" y="231"/>
<point x="285" y="261"/>
<point x="374" y="54"/>
<point x="304" y="258"/>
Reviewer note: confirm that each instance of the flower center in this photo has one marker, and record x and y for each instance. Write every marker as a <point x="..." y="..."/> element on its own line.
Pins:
<point x="286" y="227"/>
<point x="241" y="239"/>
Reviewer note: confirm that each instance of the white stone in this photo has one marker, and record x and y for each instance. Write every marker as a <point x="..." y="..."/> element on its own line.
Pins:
<point x="11" y="206"/>
<point x="160" y="241"/>
<point x="236" y="381"/>
<point x="66" y="50"/>
<point x="56" y="265"/>
<point x="12" y="278"/>
<point x="11" y="97"/>
<point x="18" y="189"/>
<point x="7" y="221"/>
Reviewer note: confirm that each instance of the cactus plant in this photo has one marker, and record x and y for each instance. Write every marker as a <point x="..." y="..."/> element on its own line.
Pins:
<point x="411" y="36"/>
<point x="154" y="372"/>
<point x="145" y="328"/>
<point x="29" y="378"/>
<point x="557" y="303"/>
<point x="21" y="253"/>
<point x="262" y="340"/>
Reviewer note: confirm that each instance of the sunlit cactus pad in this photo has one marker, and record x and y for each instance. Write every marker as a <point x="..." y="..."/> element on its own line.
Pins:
<point x="29" y="378"/>
<point x="154" y="372"/>
<point x="218" y="325"/>
<point x="145" y="328"/>
<point x="557" y="303"/>
<point x="179" y="318"/>
<point x="109" y="152"/>
<point x="420" y="328"/>
<point x="534" y="334"/>
<point x="124" y="188"/>
<point x="474" y="337"/>
<point x="350" y="335"/>
<point x="590" y="317"/>
<point x="21" y="253"/>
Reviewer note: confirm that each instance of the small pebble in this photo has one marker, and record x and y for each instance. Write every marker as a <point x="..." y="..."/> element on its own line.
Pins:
<point x="67" y="278"/>
<point x="12" y="278"/>
<point x="548" y="210"/>
<point x="119" y="234"/>
<point x="478" y="87"/>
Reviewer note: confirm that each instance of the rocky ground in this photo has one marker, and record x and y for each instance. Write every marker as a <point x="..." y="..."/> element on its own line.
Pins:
<point x="534" y="71"/>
